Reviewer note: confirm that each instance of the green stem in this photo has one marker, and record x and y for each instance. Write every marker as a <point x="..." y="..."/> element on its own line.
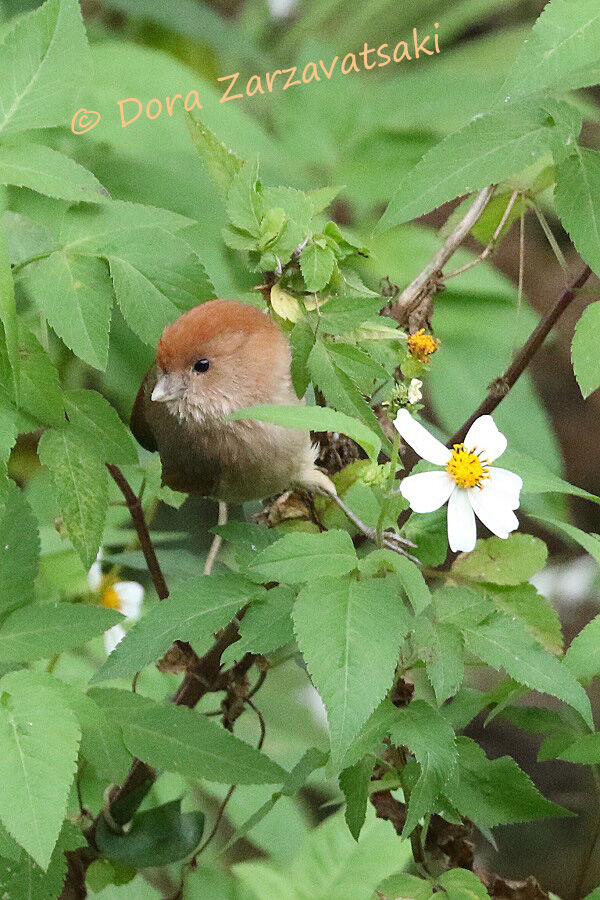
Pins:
<point x="388" y="488"/>
<point x="16" y="269"/>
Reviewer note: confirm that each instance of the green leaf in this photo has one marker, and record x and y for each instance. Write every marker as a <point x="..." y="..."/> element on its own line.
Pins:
<point x="8" y="317"/>
<point x="24" y="238"/>
<point x="372" y="732"/>
<point x="459" y="884"/>
<point x="489" y="149"/>
<point x="537" y="479"/>
<point x="41" y="631"/>
<point x="535" y="611"/>
<point x="582" y="659"/>
<point x="440" y="647"/>
<point x="585" y="360"/>
<point x="222" y="163"/>
<point x="461" y="606"/>
<point x="298" y="557"/>
<point x="316" y="265"/>
<point x="44" y="51"/>
<point x="506" y="643"/>
<point x="350" y="645"/>
<point x="354" y="782"/>
<point x="181" y="740"/>
<point x="266" y="626"/>
<point x="321" y="198"/>
<point x="22" y="879"/>
<point x="156" y="837"/>
<point x="8" y="431"/>
<point x="589" y="542"/>
<point x="585" y="750"/>
<point x="75" y="295"/>
<point x="39" y="739"/>
<point x="577" y="202"/>
<point x="414" y="584"/>
<point x="343" y="314"/>
<point x="498" y="561"/>
<point x="302" y="341"/>
<point x="194" y="610"/>
<point x="495" y="792"/>
<point x="339" y="390"/>
<point x="39" y="391"/>
<point x="44" y="170"/>
<point x="19" y="548"/>
<point x="314" y="418"/>
<point x="560" y="53"/>
<point x="358" y="365"/>
<point x="245" y="206"/>
<point x="91" y="414"/>
<point x="80" y="484"/>
<point x="406" y="886"/>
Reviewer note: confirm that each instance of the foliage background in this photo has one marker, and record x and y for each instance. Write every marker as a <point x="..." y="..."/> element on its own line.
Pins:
<point x="364" y="132"/>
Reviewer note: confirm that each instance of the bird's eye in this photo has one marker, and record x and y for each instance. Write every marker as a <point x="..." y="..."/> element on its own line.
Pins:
<point x="201" y="365"/>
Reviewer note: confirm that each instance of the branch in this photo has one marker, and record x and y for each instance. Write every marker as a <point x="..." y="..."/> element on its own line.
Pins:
<point x="502" y="385"/>
<point x="425" y="282"/>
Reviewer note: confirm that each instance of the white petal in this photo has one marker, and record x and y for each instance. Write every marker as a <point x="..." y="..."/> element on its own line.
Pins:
<point x="484" y="435"/>
<point x="427" y="491"/>
<point x="131" y="597"/>
<point x="493" y="511"/>
<point x="505" y="484"/>
<point x="420" y="439"/>
<point x="112" y="637"/>
<point x="94" y="577"/>
<point x="462" y="532"/>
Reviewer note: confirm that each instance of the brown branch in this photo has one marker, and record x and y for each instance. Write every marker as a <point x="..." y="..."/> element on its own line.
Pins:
<point x="502" y="385"/>
<point x="137" y="514"/>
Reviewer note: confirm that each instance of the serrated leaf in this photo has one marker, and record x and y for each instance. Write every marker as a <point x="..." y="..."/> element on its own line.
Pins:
<point x="511" y="561"/>
<point x="582" y="659"/>
<point x="41" y="631"/>
<point x="245" y="207"/>
<point x="459" y="884"/>
<point x="194" y="611"/>
<point x="535" y="611"/>
<point x="19" y="548"/>
<point x="537" y="479"/>
<point x="343" y="314"/>
<point x="75" y="295"/>
<point x="354" y="783"/>
<point x="461" y="606"/>
<point x="560" y="53"/>
<point x="222" y="163"/>
<point x="585" y="750"/>
<point x="358" y="365"/>
<point x="298" y="557"/>
<point x="406" y="886"/>
<point x="585" y="360"/>
<point x="39" y="391"/>
<point x="80" y="484"/>
<point x="24" y="238"/>
<point x="155" y="837"/>
<point x="487" y="150"/>
<point x="321" y="198"/>
<point x="91" y="414"/>
<point x="39" y="739"/>
<point x="22" y="879"/>
<point x="494" y="792"/>
<point x="316" y="265"/>
<point x="41" y="53"/>
<point x="302" y="341"/>
<point x="440" y="647"/>
<point x="181" y="740"/>
<point x="350" y="645"/>
<point x="266" y="626"/>
<point x="314" y="418"/>
<point x="589" y="542"/>
<point x="577" y="203"/>
<point x="412" y="580"/>
<point x="42" y="169"/>
<point x="8" y="431"/>
<point x="506" y="643"/>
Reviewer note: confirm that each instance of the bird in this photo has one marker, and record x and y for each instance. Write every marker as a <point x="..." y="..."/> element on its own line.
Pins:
<point x="217" y="358"/>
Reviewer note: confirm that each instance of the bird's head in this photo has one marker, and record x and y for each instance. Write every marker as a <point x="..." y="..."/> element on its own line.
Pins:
<point x="219" y="357"/>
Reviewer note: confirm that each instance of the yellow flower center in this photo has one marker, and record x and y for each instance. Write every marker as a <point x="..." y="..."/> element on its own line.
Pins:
<point x="466" y="467"/>
<point x="422" y="345"/>
<point x="110" y="599"/>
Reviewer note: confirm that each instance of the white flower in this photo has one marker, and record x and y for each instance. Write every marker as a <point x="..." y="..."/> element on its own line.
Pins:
<point x="414" y="391"/>
<point x="470" y="485"/>
<point x="125" y="596"/>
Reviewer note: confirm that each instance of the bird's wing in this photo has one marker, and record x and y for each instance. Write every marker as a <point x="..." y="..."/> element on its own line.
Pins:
<point x="138" y="422"/>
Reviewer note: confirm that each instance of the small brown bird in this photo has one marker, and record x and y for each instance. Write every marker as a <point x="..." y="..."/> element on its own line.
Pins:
<point x="215" y="359"/>
<point x="219" y="357"/>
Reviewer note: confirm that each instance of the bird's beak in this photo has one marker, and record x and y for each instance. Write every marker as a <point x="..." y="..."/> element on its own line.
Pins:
<point x="168" y="387"/>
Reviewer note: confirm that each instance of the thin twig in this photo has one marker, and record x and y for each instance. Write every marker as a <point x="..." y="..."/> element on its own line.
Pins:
<point x="216" y="541"/>
<point x="501" y="386"/>
<point x="137" y="514"/>
<point x="492" y="244"/>
<point x="412" y="295"/>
